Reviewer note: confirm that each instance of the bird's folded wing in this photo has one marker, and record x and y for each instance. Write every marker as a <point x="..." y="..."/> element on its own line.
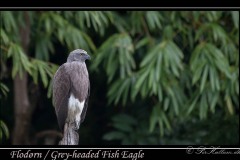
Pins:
<point x="61" y="94"/>
<point x="85" y="105"/>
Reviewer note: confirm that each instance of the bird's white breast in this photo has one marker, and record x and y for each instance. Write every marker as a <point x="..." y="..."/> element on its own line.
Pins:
<point x="75" y="108"/>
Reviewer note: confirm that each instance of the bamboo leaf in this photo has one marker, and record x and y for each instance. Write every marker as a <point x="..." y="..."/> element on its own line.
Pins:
<point x="154" y="118"/>
<point x="193" y="104"/>
<point x="235" y="17"/>
<point x="142" y="43"/>
<point x="153" y="121"/>
<point x="175" y="105"/>
<point x="160" y="94"/>
<point x="148" y="59"/>
<point x="3" y="129"/>
<point x="166" y="104"/>
<point x="229" y="105"/>
<point x="160" y="122"/>
<point x="43" y="76"/>
<point x="203" y="106"/>
<point x="4" y="89"/>
<point x="4" y="36"/>
<point x="204" y="78"/>
<point x="141" y="79"/>
<point x="49" y="92"/>
<point x="158" y="67"/>
<point x="212" y="78"/>
<point x="214" y="100"/>
<point x="165" y="120"/>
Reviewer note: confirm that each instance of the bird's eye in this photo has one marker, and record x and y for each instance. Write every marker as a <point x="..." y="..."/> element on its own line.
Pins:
<point x="81" y="54"/>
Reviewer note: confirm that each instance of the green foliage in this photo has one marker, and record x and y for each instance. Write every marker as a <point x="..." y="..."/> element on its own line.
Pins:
<point x="55" y="25"/>
<point x="183" y="64"/>
<point x="159" y="116"/>
<point x="235" y="17"/>
<point x="19" y="59"/>
<point x="154" y="19"/>
<point x="46" y="27"/>
<point x="8" y="22"/>
<point x="161" y="65"/>
<point x="127" y="130"/>
<point x="4" y="89"/>
<point x="3" y="130"/>
<point x="116" y="55"/>
<point x="45" y="70"/>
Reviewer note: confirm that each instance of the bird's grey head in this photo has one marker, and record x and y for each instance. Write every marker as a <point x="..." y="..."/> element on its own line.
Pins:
<point x="78" y="55"/>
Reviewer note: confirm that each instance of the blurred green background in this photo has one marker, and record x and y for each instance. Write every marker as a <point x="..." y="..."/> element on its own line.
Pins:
<point x="157" y="77"/>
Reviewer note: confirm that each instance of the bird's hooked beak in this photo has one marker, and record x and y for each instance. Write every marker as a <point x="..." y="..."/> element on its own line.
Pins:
<point x="87" y="57"/>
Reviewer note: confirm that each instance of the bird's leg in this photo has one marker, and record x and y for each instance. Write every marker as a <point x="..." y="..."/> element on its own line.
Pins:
<point x="77" y="124"/>
<point x="77" y="119"/>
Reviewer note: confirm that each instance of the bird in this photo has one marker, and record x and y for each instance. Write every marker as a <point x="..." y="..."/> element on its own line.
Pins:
<point x="71" y="89"/>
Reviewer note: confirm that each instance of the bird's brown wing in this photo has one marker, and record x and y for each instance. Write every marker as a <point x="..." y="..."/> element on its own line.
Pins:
<point x="85" y="104"/>
<point x="61" y="94"/>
